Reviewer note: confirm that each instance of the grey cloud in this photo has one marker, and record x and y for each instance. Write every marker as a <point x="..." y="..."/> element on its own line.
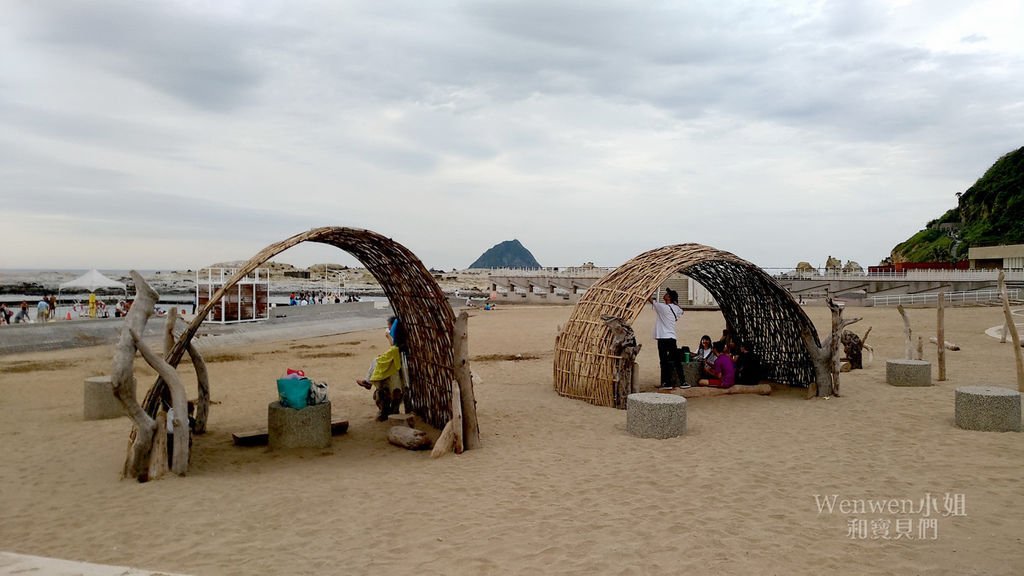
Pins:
<point x="203" y="62"/>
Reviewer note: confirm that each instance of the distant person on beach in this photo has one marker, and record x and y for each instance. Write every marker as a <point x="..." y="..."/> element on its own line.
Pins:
<point x="22" y="315"/>
<point x="5" y="314"/>
<point x="723" y="373"/>
<point x="384" y="373"/>
<point x="43" y="310"/>
<point x="667" y="313"/>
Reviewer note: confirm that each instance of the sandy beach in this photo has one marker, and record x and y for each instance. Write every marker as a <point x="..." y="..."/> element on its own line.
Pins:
<point x="559" y="487"/>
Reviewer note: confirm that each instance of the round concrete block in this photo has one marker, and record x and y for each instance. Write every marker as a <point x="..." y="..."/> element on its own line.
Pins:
<point x="653" y="415"/>
<point x="99" y="401"/>
<point x="309" y="427"/>
<point x="908" y="372"/>
<point x="988" y="408"/>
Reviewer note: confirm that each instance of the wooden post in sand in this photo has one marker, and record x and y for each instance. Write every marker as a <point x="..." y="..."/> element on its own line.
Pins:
<point x="941" y="335"/>
<point x="467" y="398"/>
<point x="833" y="348"/>
<point x="908" y="346"/>
<point x="1011" y="326"/>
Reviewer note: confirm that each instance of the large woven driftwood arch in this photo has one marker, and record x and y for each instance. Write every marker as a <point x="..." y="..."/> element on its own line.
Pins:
<point x="755" y="307"/>
<point x="413" y="293"/>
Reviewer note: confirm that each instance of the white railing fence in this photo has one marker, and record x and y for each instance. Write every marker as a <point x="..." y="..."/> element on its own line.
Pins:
<point x="920" y="275"/>
<point x="975" y="297"/>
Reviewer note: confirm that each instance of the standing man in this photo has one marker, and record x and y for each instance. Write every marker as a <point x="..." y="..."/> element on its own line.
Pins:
<point x="666" y="314"/>
<point x="43" y="310"/>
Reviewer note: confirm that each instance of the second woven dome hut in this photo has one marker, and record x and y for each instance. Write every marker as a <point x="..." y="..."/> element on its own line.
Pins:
<point x="755" y="306"/>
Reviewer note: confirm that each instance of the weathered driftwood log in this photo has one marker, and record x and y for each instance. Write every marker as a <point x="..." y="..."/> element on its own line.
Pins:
<point x="467" y="397"/>
<point x="408" y="438"/>
<point x="158" y="457"/>
<point x="908" y="343"/>
<point x="624" y="345"/>
<point x="203" y="378"/>
<point x="947" y="344"/>
<point x="179" y="403"/>
<point x="826" y="358"/>
<point x="941" y="334"/>
<point x="122" y="377"/>
<point x="763" y="389"/>
<point x="444" y="441"/>
<point x="1011" y="326"/>
<point x="171" y="320"/>
<point x="457" y="441"/>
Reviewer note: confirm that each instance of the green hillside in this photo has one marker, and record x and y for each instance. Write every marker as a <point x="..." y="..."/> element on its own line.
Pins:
<point x="991" y="212"/>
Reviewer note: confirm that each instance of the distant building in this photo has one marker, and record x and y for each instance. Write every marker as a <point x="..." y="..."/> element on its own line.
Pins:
<point x="296" y="273"/>
<point x="1007" y="257"/>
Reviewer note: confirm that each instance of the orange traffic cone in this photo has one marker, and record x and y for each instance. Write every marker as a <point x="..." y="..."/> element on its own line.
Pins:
<point x="68" y="317"/>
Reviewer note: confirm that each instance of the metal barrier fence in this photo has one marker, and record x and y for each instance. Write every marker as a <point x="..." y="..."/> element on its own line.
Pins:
<point x="975" y="297"/>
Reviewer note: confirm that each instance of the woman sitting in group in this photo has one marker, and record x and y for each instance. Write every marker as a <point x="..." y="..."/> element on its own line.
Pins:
<point x="706" y="356"/>
<point x="723" y="373"/>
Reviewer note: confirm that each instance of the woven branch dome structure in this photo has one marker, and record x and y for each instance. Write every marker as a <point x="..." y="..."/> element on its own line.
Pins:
<point x="755" y="306"/>
<point x="414" y="295"/>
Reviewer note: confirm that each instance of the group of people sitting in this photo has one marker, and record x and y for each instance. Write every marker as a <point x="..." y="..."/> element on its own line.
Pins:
<point x="722" y="364"/>
<point x="726" y="362"/>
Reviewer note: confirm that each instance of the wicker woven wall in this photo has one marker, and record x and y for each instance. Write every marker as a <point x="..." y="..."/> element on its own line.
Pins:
<point x="413" y="293"/>
<point x="754" y="305"/>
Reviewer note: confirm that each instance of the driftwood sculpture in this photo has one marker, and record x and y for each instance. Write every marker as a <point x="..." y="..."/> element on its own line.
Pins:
<point x="826" y="357"/>
<point x="623" y="345"/>
<point x="147" y="453"/>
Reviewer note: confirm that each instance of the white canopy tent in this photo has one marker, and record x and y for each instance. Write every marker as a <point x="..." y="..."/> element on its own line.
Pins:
<point x="92" y="281"/>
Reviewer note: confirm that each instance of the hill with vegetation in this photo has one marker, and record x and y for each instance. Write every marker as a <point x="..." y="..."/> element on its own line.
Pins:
<point x="989" y="213"/>
<point x="507" y="254"/>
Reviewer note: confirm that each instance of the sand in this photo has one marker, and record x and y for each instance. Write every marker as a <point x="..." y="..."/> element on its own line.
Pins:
<point x="558" y="488"/>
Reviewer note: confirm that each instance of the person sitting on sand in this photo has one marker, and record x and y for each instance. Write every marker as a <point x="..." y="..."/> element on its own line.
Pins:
<point x="748" y="365"/>
<point x="384" y="373"/>
<point x="723" y="373"/>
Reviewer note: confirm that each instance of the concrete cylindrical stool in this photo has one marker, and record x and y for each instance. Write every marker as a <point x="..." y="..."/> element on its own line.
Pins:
<point x="988" y="408"/>
<point x="99" y="401"/>
<point x="653" y="415"/>
<point x="309" y="427"/>
<point x="908" y="372"/>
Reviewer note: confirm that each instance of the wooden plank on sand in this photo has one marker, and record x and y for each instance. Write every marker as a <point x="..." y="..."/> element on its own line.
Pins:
<point x="260" y="437"/>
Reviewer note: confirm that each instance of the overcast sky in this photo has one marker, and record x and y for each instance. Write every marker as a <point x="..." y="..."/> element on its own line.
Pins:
<point x="178" y="134"/>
